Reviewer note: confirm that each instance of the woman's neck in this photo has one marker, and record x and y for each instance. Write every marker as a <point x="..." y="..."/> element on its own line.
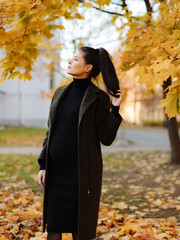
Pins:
<point x="81" y="82"/>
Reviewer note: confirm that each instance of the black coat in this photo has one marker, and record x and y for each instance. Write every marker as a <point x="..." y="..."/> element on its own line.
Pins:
<point x="96" y="124"/>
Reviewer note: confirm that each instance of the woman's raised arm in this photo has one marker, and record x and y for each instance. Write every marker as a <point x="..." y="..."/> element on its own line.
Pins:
<point x="108" y="123"/>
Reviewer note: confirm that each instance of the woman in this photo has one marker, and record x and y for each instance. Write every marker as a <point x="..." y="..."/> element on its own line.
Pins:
<point x="71" y="161"/>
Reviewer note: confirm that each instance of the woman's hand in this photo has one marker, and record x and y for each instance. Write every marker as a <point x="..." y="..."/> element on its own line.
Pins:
<point x="41" y="177"/>
<point x="117" y="101"/>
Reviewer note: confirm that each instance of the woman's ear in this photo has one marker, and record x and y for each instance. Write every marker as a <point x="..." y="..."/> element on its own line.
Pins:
<point x="88" y="67"/>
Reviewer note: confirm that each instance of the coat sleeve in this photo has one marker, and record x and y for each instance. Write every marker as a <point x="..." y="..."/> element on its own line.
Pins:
<point x="42" y="157"/>
<point x="108" y="121"/>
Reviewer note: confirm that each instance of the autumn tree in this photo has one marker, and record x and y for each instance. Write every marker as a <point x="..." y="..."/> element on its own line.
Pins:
<point x="152" y="44"/>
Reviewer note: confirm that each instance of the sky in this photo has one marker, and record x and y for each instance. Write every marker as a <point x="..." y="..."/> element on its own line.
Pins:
<point x="94" y="31"/>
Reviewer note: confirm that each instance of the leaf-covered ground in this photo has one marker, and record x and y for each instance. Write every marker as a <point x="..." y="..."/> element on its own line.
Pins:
<point x="140" y="198"/>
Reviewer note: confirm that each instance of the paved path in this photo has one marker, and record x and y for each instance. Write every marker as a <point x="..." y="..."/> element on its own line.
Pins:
<point x="127" y="140"/>
<point x="142" y="139"/>
<point x="20" y="150"/>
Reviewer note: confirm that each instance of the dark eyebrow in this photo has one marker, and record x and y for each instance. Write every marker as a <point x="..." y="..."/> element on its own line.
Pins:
<point x="76" y="56"/>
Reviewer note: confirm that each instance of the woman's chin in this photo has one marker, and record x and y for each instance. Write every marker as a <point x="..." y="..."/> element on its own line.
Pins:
<point x="68" y="72"/>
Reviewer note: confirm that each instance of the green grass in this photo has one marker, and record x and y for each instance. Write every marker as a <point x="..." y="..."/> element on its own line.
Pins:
<point x="21" y="136"/>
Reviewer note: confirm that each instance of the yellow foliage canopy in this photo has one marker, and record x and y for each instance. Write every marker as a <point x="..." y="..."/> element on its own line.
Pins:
<point x="23" y="26"/>
<point x="153" y="45"/>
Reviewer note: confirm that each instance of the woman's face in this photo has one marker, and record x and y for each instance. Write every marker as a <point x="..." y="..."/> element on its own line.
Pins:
<point x="77" y="66"/>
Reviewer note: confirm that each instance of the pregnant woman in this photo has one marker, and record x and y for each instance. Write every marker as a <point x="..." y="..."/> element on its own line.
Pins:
<point x="71" y="161"/>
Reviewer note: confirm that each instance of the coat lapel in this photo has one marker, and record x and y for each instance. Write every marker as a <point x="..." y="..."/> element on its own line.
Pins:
<point x="89" y="97"/>
<point x="57" y="99"/>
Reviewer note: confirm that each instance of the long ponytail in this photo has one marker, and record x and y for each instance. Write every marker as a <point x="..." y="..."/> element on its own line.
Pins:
<point x="101" y="61"/>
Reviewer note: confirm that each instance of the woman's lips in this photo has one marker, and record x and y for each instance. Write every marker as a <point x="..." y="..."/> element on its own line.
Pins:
<point x="69" y="67"/>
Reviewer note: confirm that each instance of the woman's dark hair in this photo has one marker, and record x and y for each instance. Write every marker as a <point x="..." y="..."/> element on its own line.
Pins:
<point x="101" y="61"/>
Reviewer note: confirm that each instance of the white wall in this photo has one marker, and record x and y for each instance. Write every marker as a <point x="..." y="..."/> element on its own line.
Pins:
<point x="22" y="104"/>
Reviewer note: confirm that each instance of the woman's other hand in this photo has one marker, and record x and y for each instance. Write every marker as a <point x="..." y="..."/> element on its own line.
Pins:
<point x="41" y="177"/>
<point x="116" y="101"/>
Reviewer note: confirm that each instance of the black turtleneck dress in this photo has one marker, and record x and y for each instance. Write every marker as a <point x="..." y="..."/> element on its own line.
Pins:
<point x="62" y="197"/>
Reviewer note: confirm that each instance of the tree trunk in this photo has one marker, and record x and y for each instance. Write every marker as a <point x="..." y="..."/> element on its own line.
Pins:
<point x="172" y="130"/>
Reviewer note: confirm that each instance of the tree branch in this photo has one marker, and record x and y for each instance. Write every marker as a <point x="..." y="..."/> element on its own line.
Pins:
<point x="148" y="6"/>
<point x="109" y="12"/>
<point x="118" y="4"/>
<point x="124" y="3"/>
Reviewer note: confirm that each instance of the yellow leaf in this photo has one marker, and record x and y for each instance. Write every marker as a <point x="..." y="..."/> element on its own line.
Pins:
<point x="22" y="200"/>
<point x="148" y="92"/>
<point x="163" y="65"/>
<point x="153" y="195"/>
<point x="26" y="75"/>
<point x="113" y="19"/>
<point x="172" y="219"/>
<point x="170" y="104"/>
<point x="120" y="205"/>
<point x="127" y="228"/>
<point x="88" y="5"/>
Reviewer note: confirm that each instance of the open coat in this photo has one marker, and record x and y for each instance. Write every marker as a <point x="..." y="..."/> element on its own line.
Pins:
<point x="96" y="124"/>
